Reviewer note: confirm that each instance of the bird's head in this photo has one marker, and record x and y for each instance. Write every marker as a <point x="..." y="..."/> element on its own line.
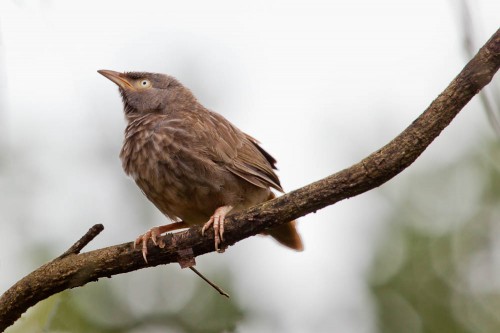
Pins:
<point x="149" y="92"/>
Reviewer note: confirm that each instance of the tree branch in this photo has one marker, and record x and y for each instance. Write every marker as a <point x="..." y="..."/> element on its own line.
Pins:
<point x="77" y="269"/>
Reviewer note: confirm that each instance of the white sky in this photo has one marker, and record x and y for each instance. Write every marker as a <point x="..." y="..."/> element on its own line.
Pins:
<point x="320" y="83"/>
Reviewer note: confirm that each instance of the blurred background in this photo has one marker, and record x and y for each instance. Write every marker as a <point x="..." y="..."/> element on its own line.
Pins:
<point x="321" y="84"/>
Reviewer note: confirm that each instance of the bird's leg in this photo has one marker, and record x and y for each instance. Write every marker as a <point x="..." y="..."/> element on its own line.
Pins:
<point x="153" y="234"/>
<point x="218" y="221"/>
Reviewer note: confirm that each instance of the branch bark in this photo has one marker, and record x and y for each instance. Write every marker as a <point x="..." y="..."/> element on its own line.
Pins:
<point x="74" y="269"/>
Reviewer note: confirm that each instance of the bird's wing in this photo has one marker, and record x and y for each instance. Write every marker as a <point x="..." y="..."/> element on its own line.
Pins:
<point x="242" y="155"/>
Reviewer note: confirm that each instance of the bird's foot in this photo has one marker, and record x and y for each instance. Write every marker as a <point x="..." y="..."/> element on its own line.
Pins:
<point x="218" y="221"/>
<point x="153" y="234"/>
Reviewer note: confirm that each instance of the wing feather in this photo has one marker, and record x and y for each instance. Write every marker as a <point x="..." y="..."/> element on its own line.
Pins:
<point x="242" y="155"/>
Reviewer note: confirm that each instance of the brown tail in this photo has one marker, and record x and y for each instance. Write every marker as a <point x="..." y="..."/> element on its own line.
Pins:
<point x="286" y="233"/>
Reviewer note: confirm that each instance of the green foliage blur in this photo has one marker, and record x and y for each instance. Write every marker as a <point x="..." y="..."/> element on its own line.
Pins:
<point x="106" y="307"/>
<point x="437" y="269"/>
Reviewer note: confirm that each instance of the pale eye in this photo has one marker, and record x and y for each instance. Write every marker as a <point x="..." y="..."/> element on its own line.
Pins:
<point x="144" y="83"/>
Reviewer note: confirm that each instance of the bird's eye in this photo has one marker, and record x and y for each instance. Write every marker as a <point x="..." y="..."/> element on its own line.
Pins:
<point x="144" y="83"/>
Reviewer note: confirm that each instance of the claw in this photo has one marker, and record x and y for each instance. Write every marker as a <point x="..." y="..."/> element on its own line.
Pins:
<point x="218" y="224"/>
<point x="153" y="234"/>
<point x="145" y="248"/>
<point x="207" y="225"/>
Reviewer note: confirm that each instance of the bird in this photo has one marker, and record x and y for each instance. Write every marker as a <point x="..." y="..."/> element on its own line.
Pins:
<point x="193" y="164"/>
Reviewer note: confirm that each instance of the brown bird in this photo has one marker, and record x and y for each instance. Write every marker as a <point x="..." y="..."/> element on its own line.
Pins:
<point x="191" y="163"/>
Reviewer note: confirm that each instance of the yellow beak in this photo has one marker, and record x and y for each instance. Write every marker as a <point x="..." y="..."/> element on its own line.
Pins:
<point x="116" y="77"/>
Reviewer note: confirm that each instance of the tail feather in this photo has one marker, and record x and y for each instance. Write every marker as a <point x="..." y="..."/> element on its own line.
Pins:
<point x="286" y="234"/>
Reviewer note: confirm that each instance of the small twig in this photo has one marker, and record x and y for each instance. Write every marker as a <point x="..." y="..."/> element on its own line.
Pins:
<point x="216" y="287"/>
<point x="82" y="242"/>
<point x="186" y="259"/>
